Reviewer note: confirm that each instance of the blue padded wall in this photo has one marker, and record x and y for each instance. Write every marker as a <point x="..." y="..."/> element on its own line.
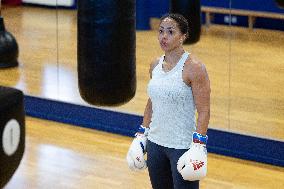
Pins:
<point x="253" y="5"/>
<point x="146" y="9"/>
<point x="220" y="142"/>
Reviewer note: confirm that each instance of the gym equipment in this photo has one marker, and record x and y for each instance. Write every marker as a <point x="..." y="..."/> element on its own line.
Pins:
<point x="12" y="132"/>
<point x="192" y="165"/>
<point x="280" y="3"/>
<point x="106" y="51"/>
<point x="137" y="150"/>
<point x="9" y="50"/>
<point x="191" y="10"/>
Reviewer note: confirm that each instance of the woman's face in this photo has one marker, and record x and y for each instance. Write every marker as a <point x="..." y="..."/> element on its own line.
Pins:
<point x="170" y="36"/>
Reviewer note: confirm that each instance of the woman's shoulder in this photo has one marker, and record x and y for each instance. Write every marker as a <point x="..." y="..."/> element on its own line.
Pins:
<point x="153" y="64"/>
<point x="193" y="61"/>
<point x="194" y="67"/>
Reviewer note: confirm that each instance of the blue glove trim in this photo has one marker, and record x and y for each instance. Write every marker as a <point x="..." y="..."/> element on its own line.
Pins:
<point x="143" y="130"/>
<point x="199" y="138"/>
<point x="143" y="148"/>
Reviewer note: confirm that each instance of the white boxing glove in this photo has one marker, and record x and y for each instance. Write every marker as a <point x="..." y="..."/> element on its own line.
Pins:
<point x="137" y="150"/>
<point x="192" y="165"/>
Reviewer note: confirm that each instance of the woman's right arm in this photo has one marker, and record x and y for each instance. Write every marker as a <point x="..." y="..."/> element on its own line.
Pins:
<point x="137" y="149"/>
<point x="148" y="109"/>
<point x="147" y="114"/>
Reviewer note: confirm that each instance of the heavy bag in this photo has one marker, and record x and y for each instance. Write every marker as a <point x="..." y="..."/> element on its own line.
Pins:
<point x="280" y="3"/>
<point x="106" y="51"/>
<point x="12" y="132"/>
<point x="9" y="50"/>
<point x="191" y="10"/>
<point x="12" y="2"/>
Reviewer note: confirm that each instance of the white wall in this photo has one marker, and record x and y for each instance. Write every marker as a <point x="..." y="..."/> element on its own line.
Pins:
<point x="67" y="3"/>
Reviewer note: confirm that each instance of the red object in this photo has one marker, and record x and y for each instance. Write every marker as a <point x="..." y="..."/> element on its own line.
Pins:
<point x="11" y="2"/>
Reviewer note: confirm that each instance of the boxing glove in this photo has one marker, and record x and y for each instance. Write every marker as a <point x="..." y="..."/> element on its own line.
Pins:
<point x="137" y="150"/>
<point x="192" y="165"/>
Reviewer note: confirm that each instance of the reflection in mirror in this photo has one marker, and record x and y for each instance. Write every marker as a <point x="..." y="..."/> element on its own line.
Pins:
<point x="67" y="83"/>
<point x="245" y="64"/>
<point x="34" y="29"/>
<point x="256" y="70"/>
<point x="214" y="50"/>
<point x="9" y="49"/>
<point x="280" y="3"/>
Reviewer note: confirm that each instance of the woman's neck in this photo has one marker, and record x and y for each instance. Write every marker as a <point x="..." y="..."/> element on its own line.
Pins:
<point x="173" y="56"/>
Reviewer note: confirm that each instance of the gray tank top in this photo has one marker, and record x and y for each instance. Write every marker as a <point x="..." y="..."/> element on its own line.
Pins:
<point x="173" y="118"/>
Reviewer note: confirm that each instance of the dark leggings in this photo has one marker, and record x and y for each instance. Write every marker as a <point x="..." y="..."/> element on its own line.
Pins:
<point x="162" y="167"/>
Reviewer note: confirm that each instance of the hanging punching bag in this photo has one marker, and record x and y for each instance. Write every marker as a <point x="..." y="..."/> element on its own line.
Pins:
<point x="106" y="51"/>
<point x="9" y="49"/>
<point x="191" y="10"/>
<point x="280" y="3"/>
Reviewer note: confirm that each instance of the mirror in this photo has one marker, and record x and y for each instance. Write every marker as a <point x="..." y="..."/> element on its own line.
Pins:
<point x="245" y="64"/>
<point x="256" y="70"/>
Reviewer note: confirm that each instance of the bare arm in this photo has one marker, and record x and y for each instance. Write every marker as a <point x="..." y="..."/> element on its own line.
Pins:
<point x="148" y="109"/>
<point x="200" y="84"/>
<point x="147" y="114"/>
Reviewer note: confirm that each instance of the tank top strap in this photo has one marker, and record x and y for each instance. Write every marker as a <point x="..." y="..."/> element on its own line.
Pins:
<point x="158" y="67"/>
<point x="182" y="60"/>
<point x="162" y="58"/>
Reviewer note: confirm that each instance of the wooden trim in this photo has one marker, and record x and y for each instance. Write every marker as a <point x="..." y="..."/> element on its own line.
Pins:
<point x="251" y="21"/>
<point x="208" y="19"/>
<point x="242" y="12"/>
<point x="252" y="15"/>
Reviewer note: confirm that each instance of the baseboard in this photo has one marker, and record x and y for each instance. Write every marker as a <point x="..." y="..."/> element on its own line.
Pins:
<point x="220" y="142"/>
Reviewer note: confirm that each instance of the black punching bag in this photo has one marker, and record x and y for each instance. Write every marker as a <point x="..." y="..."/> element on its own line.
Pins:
<point x="9" y="49"/>
<point x="12" y="132"/>
<point x="106" y="51"/>
<point x="191" y="10"/>
<point x="280" y="3"/>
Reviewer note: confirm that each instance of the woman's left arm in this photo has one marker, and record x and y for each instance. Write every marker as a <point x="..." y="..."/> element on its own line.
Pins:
<point x="200" y="84"/>
<point x="196" y="76"/>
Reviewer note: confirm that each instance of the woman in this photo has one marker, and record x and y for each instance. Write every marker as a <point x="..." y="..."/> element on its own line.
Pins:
<point x="179" y="86"/>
